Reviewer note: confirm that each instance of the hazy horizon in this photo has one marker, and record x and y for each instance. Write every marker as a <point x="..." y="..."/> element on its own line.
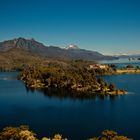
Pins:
<point x="109" y="27"/>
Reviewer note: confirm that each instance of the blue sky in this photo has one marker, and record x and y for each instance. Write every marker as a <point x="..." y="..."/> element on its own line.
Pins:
<point x="107" y="26"/>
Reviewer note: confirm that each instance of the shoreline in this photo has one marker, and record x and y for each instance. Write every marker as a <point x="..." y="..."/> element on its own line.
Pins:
<point x="78" y="91"/>
<point x="127" y="71"/>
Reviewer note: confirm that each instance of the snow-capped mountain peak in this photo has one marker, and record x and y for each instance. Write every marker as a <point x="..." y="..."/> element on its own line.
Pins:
<point x="71" y="46"/>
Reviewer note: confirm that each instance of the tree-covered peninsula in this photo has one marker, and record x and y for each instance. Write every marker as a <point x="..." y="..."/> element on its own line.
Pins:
<point x="75" y="76"/>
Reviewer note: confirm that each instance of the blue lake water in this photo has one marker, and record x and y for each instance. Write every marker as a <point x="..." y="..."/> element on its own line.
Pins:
<point x="74" y="118"/>
<point x="123" y="62"/>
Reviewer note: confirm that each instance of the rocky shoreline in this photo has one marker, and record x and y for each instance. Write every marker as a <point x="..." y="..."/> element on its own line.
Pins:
<point x="87" y="90"/>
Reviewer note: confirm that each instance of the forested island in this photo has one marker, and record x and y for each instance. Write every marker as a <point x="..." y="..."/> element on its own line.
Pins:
<point x="76" y="76"/>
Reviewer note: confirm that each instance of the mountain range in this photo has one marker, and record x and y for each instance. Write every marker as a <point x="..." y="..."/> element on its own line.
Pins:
<point x="33" y="47"/>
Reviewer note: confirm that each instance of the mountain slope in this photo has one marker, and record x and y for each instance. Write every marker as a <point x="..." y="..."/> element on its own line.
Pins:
<point x="16" y="58"/>
<point x="34" y="47"/>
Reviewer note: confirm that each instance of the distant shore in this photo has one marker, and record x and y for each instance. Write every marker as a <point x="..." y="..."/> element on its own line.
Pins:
<point x="128" y="71"/>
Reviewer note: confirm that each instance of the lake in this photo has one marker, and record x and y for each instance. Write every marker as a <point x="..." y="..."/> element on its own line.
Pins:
<point x="76" y="119"/>
<point x="122" y="62"/>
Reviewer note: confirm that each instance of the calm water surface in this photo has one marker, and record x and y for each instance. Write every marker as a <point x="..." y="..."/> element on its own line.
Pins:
<point x="122" y="62"/>
<point x="75" y="119"/>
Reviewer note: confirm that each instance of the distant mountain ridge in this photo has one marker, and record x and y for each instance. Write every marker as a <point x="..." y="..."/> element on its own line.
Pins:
<point x="129" y="56"/>
<point x="34" y="47"/>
